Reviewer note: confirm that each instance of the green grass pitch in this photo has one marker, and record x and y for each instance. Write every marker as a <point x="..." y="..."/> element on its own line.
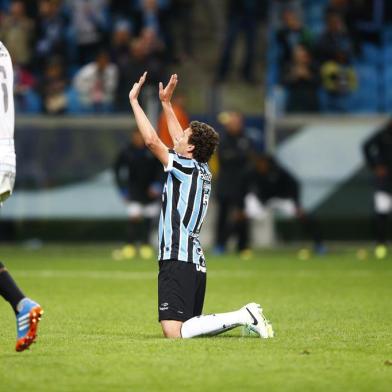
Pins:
<point x="332" y="316"/>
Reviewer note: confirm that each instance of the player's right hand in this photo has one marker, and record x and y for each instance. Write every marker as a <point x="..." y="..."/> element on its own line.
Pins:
<point x="135" y="91"/>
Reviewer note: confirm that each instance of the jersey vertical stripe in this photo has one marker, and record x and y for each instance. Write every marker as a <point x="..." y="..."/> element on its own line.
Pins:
<point x="184" y="205"/>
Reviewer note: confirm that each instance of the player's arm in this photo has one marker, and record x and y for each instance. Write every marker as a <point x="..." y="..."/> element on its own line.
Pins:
<point x="150" y="137"/>
<point x="165" y="95"/>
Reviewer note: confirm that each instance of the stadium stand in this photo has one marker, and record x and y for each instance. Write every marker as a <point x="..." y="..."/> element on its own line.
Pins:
<point x="366" y="27"/>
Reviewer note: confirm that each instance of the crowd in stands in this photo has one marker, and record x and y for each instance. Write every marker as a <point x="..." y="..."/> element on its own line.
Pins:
<point x="324" y="65"/>
<point x="79" y="56"/>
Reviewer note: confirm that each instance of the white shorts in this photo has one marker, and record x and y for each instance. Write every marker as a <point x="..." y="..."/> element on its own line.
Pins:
<point x="382" y="202"/>
<point x="255" y="209"/>
<point x="137" y="210"/>
<point x="7" y="168"/>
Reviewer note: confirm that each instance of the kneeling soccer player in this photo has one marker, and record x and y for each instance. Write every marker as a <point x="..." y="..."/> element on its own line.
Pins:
<point x="182" y="269"/>
<point x="28" y="312"/>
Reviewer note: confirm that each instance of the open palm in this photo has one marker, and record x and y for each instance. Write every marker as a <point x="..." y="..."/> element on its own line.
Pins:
<point x="165" y="94"/>
<point x="135" y="91"/>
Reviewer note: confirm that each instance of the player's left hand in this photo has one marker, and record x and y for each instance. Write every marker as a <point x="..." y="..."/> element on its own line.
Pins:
<point x="135" y="91"/>
<point x="165" y="94"/>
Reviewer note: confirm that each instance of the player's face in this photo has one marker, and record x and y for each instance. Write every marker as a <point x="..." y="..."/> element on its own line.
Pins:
<point x="182" y="146"/>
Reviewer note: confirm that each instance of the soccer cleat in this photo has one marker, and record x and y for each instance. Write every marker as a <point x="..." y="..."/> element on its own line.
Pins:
<point x="257" y="321"/>
<point x="146" y="252"/>
<point x="381" y="251"/>
<point x="27" y="323"/>
<point x="128" y="252"/>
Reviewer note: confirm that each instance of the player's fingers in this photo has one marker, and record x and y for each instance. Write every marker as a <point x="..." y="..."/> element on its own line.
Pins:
<point x="160" y="86"/>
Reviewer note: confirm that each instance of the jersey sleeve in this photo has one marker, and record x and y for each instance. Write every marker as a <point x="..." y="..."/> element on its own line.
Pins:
<point x="179" y="166"/>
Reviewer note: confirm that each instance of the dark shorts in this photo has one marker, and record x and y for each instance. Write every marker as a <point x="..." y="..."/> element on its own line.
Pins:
<point x="181" y="290"/>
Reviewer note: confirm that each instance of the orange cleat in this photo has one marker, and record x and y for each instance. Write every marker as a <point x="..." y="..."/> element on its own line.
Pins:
<point x="27" y="323"/>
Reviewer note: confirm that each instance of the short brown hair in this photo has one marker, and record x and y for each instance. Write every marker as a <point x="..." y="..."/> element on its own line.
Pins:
<point x="205" y="139"/>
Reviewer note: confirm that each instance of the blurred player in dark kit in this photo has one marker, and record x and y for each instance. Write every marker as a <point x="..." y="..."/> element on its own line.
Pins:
<point x="272" y="186"/>
<point x="137" y="175"/>
<point x="378" y="155"/>
<point x="233" y="160"/>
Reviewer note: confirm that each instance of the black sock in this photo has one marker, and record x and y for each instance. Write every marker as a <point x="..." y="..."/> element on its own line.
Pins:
<point x="9" y="289"/>
<point x="381" y="228"/>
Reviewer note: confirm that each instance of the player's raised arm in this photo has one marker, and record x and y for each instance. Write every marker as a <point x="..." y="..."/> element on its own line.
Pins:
<point x="150" y="137"/>
<point x="165" y="95"/>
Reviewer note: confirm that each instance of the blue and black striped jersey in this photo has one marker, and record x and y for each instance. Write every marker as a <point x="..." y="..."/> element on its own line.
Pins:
<point x="185" y="200"/>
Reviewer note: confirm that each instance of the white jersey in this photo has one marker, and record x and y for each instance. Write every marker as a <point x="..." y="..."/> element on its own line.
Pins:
<point x="7" y="123"/>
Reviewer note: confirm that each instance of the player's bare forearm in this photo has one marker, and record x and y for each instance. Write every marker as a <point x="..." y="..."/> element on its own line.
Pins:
<point x="173" y="124"/>
<point x="165" y="95"/>
<point x="144" y="125"/>
<point x="150" y="137"/>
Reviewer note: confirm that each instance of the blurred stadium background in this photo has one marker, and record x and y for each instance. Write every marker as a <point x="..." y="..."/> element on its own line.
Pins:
<point x="229" y="55"/>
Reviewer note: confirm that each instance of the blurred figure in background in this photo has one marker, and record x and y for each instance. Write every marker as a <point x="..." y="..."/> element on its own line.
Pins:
<point x="270" y="186"/>
<point x="148" y="15"/>
<point x="291" y="34"/>
<point x="378" y="155"/>
<point x="121" y="55"/>
<point x="233" y="157"/>
<point x="178" y="106"/>
<point x="26" y="100"/>
<point x="339" y="81"/>
<point x="96" y="84"/>
<point x="51" y="33"/>
<point x="137" y="175"/>
<point x="89" y="22"/>
<point x="53" y="88"/>
<point x="17" y="33"/>
<point x="242" y="17"/>
<point x="334" y="39"/>
<point x="302" y="82"/>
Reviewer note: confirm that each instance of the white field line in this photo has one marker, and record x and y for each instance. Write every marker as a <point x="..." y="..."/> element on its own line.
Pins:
<point x="147" y="275"/>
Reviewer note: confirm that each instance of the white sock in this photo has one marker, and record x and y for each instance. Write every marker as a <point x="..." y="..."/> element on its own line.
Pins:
<point x="213" y="324"/>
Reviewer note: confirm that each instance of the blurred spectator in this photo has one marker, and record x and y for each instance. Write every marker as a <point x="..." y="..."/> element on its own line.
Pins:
<point x="270" y="186"/>
<point x="378" y="155"/>
<point x="89" y="20"/>
<point x="334" y="39"/>
<point x="96" y="84"/>
<point x="178" y="104"/>
<point x="302" y="82"/>
<point x="339" y="81"/>
<point x="349" y="12"/>
<point x="146" y="54"/>
<point x="292" y="34"/>
<point x="137" y="175"/>
<point x="53" y="88"/>
<point x="233" y="156"/>
<point x="51" y="32"/>
<point x="150" y="17"/>
<point x="242" y="16"/>
<point x="24" y="83"/>
<point x="119" y="49"/>
<point x="182" y="22"/>
<point x="17" y="33"/>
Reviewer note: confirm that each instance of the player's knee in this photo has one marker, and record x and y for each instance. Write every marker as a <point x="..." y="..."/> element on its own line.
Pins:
<point x="171" y="330"/>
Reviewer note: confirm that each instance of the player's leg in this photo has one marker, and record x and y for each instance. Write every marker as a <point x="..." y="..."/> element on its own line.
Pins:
<point x="181" y="290"/>
<point x="28" y="313"/>
<point x="9" y="290"/>
<point x="176" y="288"/>
<point x="250" y="315"/>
